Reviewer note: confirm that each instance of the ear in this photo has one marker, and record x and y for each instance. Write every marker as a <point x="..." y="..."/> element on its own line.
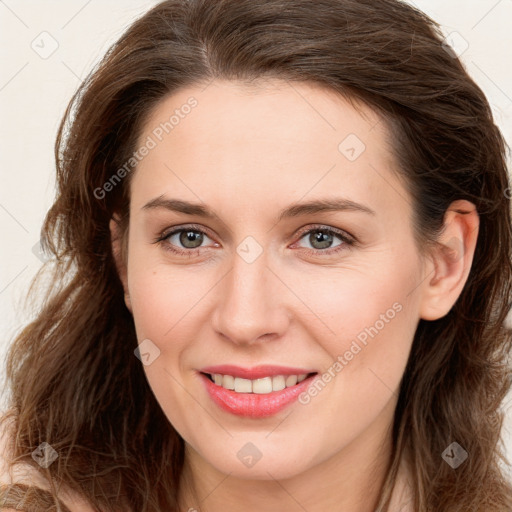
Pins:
<point x="450" y="260"/>
<point x="119" y="253"/>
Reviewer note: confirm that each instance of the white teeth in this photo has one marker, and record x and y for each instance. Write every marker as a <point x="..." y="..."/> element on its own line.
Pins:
<point x="243" y="385"/>
<point x="278" y="382"/>
<point x="291" y="380"/>
<point x="228" y="382"/>
<point x="259" y="386"/>
<point x="262" y="386"/>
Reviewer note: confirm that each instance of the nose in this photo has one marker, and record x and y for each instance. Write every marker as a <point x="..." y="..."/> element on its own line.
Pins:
<point x="251" y="304"/>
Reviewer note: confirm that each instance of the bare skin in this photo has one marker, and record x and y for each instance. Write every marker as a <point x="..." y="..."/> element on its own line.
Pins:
<point x="247" y="153"/>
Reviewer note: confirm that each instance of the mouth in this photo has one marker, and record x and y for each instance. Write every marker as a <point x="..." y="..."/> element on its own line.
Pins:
<point x="259" y="397"/>
<point x="261" y="386"/>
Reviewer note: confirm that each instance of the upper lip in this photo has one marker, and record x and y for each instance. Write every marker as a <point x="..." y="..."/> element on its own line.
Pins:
<point x="256" y="372"/>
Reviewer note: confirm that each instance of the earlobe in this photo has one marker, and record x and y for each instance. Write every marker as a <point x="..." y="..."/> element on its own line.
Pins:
<point x="451" y="260"/>
<point x="119" y="258"/>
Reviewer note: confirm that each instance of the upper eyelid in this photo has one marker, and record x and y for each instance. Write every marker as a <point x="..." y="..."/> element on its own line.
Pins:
<point x="320" y="227"/>
<point x="190" y="227"/>
<point x="298" y="233"/>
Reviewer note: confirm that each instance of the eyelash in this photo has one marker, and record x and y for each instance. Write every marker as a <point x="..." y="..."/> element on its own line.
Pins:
<point x="346" y="239"/>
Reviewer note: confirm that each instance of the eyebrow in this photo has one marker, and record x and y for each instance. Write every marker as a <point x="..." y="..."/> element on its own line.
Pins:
<point x="293" y="210"/>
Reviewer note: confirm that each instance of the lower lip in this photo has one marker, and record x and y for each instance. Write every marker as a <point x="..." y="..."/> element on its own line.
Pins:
<point x="254" y="405"/>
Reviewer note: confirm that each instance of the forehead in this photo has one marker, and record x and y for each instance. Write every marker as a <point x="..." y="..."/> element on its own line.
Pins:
<point x="238" y="138"/>
<point x="226" y="111"/>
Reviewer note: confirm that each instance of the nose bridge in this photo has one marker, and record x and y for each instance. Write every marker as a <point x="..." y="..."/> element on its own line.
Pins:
<point x="250" y="306"/>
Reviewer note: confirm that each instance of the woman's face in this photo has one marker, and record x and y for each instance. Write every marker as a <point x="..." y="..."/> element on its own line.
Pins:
<point x="296" y="251"/>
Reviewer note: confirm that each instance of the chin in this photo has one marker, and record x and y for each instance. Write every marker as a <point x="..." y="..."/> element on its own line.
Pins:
<point x="249" y="462"/>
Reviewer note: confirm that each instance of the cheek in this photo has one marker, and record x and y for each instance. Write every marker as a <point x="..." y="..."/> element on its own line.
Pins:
<point x="160" y="299"/>
<point x="166" y="304"/>
<point x="163" y="303"/>
<point x="374" y="325"/>
<point x="156" y="293"/>
<point x="365" y="320"/>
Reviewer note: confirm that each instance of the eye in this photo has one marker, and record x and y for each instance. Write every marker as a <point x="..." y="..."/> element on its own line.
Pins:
<point x="322" y="240"/>
<point x="188" y="240"/>
<point x="185" y="240"/>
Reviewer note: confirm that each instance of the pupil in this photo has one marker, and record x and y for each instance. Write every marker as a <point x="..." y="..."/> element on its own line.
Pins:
<point x="191" y="237"/>
<point x="322" y="238"/>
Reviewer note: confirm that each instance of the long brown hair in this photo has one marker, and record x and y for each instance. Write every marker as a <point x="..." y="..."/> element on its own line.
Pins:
<point x="74" y="380"/>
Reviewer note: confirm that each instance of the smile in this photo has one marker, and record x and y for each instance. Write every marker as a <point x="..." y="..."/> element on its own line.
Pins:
<point x="256" y="393"/>
<point x="261" y="386"/>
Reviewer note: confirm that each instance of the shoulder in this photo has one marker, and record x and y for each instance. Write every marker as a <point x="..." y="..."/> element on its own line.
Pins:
<point x="21" y="485"/>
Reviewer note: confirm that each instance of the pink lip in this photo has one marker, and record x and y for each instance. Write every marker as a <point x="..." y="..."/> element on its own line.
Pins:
<point x="258" y="372"/>
<point x="253" y="405"/>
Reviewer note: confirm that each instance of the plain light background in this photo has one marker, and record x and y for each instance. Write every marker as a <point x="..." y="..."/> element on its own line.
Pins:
<point x="47" y="48"/>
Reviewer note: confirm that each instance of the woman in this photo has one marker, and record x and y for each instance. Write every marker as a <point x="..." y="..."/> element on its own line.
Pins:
<point x="283" y="268"/>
